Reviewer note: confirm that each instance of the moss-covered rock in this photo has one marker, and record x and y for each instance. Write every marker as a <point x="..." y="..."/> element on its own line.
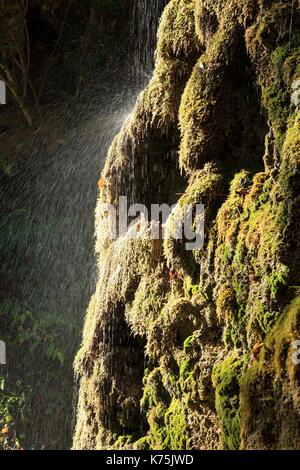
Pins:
<point x="214" y="325"/>
<point x="226" y="382"/>
<point x="270" y="388"/>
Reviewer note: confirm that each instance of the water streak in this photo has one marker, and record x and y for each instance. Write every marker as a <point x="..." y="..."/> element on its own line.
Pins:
<point x="146" y="15"/>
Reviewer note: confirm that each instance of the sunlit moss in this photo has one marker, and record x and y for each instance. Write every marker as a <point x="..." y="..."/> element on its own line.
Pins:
<point x="274" y="373"/>
<point x="226" y="382"/>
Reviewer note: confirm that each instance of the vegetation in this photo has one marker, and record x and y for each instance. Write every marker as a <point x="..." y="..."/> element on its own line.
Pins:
<point x="219" y="105"/>
<point x="180" y="349"/>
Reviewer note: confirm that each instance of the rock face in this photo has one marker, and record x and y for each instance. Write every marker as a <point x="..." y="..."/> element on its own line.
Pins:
<point x="196" y="349"/>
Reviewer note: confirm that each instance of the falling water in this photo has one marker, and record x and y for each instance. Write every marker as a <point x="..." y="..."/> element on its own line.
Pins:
<point x="47" y="248"/>
<point x="146" y="15"/>
<point x="47" y="217"/>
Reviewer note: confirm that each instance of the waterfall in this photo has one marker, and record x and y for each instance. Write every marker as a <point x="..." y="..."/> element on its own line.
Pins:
<point x="47" y="244"/>
<point x="146" y="15"/>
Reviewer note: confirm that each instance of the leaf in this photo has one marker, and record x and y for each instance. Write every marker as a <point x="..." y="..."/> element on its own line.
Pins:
<point x="102" y="183"/>
<point x="5" y="429"/>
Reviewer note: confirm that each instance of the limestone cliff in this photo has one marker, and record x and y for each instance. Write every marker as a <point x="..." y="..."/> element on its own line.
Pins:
<point x="202" y="358"/>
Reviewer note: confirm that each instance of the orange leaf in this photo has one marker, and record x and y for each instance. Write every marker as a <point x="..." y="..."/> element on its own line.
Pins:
<point x="101" y="183"/>
<point x="5" y="430"/>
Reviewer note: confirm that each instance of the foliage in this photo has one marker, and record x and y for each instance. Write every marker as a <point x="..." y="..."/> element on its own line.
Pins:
<point x="9" y="405"/>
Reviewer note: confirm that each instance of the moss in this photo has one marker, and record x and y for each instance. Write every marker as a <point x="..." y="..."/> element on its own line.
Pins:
<point x="157" y="107"/>
<point x="251" y="234"/>
<point x="185" y="368"/>
<point x="176" y="35"/>
<point x="216" y="92"/>
<point x="175" y="423"/>
<point x="194" y="114"/>
<point x="204" y="187"/>
<point x="178" y="320"/>
<point x="267" y="31"/>
<point x="190" y="289"/>
<point x="266" y="382"/>
<point x="277" y="94"/>
<point x="188" y="344"/>
<point x="165" y="417"/>
<point x="230" y="261"/>
<point x="149" y="300"/>
<point x="167" y="427"/>
<point x="229" y="313"/>
<point x="190" y="353"/>
<point x="154" y="391"/>
<point x="271" y="36"/>
<point x="226" y="303"/>
<point x="291" y="146"/>
<point x="157" y="432"/>
<point x="281" y="339"/>
<point x="226" y="382"/>
<point x="206" y="19"/>
<point x="278" y="280"/>
<point x="142" y="444"/>
<point x="122" y="442"/>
